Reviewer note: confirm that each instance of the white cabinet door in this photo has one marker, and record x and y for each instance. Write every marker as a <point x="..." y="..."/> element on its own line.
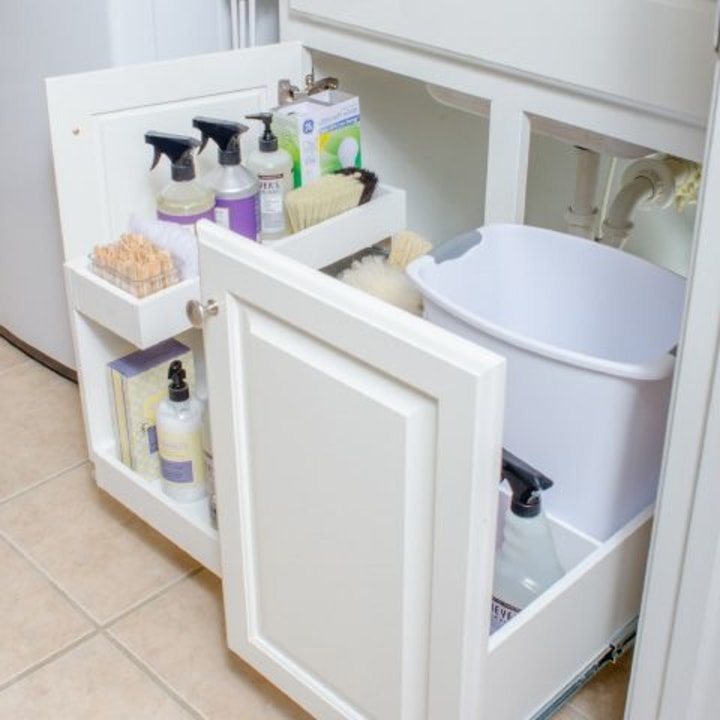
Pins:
<point x="647" y="53"/>
<point x="357" y="457"/>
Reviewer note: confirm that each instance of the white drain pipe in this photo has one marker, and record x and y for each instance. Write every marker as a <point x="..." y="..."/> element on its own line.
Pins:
<point x="581" y="216"/>
<point x="649" y="182"/>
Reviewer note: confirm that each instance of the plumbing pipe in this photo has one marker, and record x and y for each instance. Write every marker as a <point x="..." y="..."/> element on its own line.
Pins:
<point x="648" y="182"/>
<point x="234" y="25"/>
<point x="252" y="23"/>
<point x="242" y="14"/>
<point x="582" y="214"/>
<point x="617" y="226"/>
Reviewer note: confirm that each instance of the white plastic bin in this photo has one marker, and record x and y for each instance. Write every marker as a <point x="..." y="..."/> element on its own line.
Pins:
<point x="588" y="332"/>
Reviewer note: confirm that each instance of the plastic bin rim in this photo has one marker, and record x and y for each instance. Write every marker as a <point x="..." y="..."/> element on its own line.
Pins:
<point x="657" y="369"/>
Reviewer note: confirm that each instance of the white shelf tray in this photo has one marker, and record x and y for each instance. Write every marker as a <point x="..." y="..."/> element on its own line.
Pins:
<point x="187" y="525"/>
<point x="142" y="321"/>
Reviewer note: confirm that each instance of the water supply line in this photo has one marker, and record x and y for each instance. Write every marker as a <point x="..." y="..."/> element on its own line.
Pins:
<point x="651" y="182"/>
<point x="581" y="216"/>
<point x="243" y="19"/>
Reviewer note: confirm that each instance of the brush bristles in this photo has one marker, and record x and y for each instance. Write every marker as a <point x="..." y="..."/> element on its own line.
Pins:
<point x="324" y="198"/>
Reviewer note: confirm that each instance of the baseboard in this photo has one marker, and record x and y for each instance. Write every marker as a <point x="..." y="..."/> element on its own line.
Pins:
<point x="38" y="356"/>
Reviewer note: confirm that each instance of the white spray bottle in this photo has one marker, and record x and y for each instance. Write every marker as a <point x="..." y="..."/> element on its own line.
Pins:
<point x="527" y="562"/>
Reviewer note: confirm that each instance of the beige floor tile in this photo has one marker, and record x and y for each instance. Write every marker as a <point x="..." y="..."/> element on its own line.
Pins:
<point x="102" y="555"/>
<point x="603" y="698"/>
<point x="40" y="426"/>
<point x="38" y="621"/>
<point x="180" y="635"/>
<point x="568" y="713"/>
<point x="10" y="356"/>
<point x="91" y="682"/>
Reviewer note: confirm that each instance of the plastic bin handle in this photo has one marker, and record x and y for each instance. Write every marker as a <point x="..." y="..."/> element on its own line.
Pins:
<point x="455" y="247"/>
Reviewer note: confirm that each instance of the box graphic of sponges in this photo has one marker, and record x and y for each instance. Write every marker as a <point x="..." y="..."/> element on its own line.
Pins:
<point x="322" y="134"/>
<point x="138" y="382"/>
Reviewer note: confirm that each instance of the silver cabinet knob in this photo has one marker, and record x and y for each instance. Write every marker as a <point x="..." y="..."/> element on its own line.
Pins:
<point x="197" y="312"/>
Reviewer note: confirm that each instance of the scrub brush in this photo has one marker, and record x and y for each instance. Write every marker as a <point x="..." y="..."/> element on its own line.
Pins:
<point x="328" y="196"/>
<point x="385" y="277"/>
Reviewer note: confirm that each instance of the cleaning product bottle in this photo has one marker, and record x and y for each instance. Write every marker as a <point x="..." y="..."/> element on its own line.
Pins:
<point x="273" y="168"/>
<point x="183" y="200"/>
<point x="179" y="431"/>
<point x="527" y="562"/>
<point x="235" y="188"/>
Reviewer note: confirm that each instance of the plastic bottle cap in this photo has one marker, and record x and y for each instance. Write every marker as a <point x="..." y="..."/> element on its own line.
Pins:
<point x="178" y="390"/>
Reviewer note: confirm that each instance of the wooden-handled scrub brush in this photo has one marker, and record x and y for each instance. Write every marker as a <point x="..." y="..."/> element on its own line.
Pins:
<point x="328" y="196"/>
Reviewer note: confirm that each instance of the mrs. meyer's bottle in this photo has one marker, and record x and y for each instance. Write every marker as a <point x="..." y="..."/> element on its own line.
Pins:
<point x="273" y="168"/>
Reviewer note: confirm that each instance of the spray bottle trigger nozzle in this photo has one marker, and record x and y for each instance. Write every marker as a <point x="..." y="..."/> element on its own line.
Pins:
<point x="527" y="484"/>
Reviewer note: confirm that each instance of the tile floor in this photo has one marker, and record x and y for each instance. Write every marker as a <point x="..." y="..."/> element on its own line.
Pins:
<point x="104" y="618"/>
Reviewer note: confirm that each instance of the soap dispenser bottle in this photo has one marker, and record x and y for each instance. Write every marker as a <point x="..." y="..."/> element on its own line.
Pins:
<point x="183" y="200"/>
<point x="273" y="168"/>
<point x="179" y="430"/>
<point x="235" y="187"/>
<point x="527" y="562"/>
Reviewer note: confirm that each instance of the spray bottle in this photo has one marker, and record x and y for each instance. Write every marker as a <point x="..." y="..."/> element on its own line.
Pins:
<point x="179" y="430"/>
<point x="235" y="188"/>
<point x="527" y="562"/>
<point x="183" y="200"/>
<point x="273" y="168"/>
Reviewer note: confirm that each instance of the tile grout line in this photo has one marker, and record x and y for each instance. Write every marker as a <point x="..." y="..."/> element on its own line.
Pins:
<point x="98" y="624"/>
<point x="107" y="625"/>
<point x="50" y="658"/>
<point x="55" y="584"/>
<point x="43" y="481"/>
<point x="154" y="676"/>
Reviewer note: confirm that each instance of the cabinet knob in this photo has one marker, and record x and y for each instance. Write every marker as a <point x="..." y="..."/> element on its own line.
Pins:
<point x="197" y="312"/>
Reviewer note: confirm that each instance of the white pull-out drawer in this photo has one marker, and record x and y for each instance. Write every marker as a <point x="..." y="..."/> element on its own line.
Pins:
<point x="358" y="458"/>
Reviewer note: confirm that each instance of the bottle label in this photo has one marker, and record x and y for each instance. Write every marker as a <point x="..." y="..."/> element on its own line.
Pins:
<point x="186" y="219"/>
<point x="181" y="457"/>
<point x="501" y="613"/>
<point x="241" y="215"/>
<point x="271" y="193"/>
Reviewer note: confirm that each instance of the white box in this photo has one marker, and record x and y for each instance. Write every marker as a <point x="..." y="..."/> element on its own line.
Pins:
<point x="587" y="331"/>
<point x="322" y="134"/>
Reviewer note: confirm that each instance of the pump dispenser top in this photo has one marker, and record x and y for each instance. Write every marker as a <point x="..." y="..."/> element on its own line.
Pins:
<point x="527" y="562"/>
<point x="183" y="200"/>
<point x="178" y="390"/>
<point x="268" y="141"/>
<point x="235" y="187"/>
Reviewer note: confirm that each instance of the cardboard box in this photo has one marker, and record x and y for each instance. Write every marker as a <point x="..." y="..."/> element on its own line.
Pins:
<point x="138" y="382"/>
<point x="322" y="134"/>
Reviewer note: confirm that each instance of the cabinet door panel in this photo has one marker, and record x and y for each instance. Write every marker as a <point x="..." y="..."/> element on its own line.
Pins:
<point x="98" y="121"/>
<point x="648" y="53"/>
<point x="357" y="456"/>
